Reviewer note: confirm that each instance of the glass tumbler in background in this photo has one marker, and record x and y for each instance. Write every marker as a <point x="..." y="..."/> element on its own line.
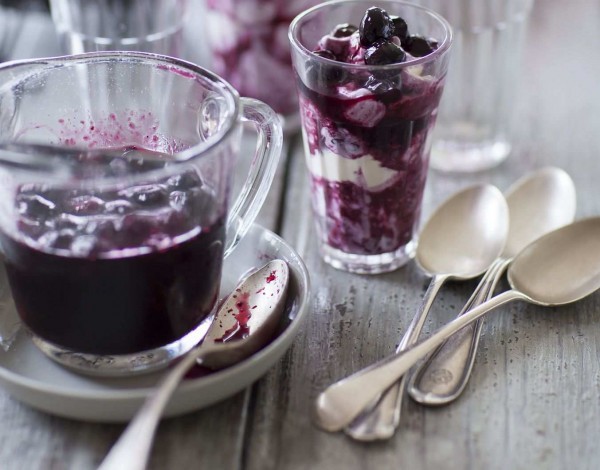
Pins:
<point x="127" y="25"/>
<point x="475" y="127"/>
<point x="249" y="48"/>
<point x="366" y="132"/>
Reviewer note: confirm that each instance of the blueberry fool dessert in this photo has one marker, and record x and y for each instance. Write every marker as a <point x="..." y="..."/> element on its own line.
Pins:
<point x="366" y="114"/>
<point x="250" y="49"/>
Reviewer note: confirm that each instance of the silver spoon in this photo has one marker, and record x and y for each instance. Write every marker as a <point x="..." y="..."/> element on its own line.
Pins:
<point x="459" y="241"/>
<point x="558" y="268"/>
<point x="538" y="203"/>
<point x="243" y="324"/>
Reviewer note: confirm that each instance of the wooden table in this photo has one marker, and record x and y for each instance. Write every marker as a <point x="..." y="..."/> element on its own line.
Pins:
<point x="533" y="401"/>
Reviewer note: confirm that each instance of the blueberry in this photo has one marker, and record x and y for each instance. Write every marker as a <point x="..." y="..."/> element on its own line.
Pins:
<point x="135" y="230"/>
<point x="384" y="53"/>
<point x="31" y="229"/>
<point x="383" y="85"/>
<point x="324" y="75"/>
<point x="119" y="206"/>
<point x="340" y="141"/>
<point x="184" y="181"/>
<point x="400" y="27"/>
<point x="86" y="205"/>
<point x="178" y="200"/>
<point x="325" y="54"/>
<point x="35" y="206"/>
<point x="63" y="240"/>
<point x="344" y="30"/>
<point x="418" y="46"/>
<point x="146" y="195"/>
<point x="375" y="26"/>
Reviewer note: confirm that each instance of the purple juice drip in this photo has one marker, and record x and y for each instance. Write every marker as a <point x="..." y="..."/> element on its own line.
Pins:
<point x="116" y="272"/>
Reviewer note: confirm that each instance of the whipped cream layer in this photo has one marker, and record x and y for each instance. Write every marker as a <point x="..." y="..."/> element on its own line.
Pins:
<point x="365" y="171"/>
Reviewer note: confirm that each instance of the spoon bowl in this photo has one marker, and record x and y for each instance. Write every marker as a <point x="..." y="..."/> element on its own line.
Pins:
<point x="538" y="203"/>
<point x="248" y="318"/>
<point x="465" y="234"/>
<point x="558" y="268"/>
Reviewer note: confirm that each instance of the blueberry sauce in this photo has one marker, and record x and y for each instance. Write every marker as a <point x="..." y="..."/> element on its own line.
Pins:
<point x="115" y="271"/>
<point x="271" y="277"/>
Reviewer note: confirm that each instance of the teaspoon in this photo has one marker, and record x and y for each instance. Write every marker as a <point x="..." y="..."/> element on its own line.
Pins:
<point x="538" y="203"/>
<point x="561" y="267"/>
<point x="244" y="323"/>
<point x="459" y="241"/>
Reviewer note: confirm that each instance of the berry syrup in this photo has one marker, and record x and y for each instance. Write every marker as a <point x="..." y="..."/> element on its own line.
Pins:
<point x="119" y="271"/>
<point x="373" y="122"/>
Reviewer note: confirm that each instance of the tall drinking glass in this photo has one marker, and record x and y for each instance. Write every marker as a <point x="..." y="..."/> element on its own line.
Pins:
<point x="366" y="132"/>
<point x="115" y="173"/>
<point x="476" y="127"/>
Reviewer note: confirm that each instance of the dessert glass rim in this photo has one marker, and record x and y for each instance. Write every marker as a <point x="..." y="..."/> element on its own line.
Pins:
<point x="180" y="67"/>
<point x="442" y="48"/>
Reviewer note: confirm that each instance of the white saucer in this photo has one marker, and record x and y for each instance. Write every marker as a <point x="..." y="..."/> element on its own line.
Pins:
<point x="32" y="378"/>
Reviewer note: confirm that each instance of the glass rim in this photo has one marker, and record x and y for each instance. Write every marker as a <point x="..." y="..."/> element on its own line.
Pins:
<point x="177" y="66"/>
<point x="441" y="50"/>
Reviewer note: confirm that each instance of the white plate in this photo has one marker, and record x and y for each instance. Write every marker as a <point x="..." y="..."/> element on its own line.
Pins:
<point x="39" y="382"/>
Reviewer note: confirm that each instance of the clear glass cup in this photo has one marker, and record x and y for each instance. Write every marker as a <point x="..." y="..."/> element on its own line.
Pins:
<point x="115" y="173"/>
<point x="125" y="25"/>
<point x="249" y="47"/>
<point x="475" y="127"/>
<point x="366" y="132"/>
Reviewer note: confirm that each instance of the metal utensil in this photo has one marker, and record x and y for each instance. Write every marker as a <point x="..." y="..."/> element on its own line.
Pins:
<point x="558" y="268"/>
<point x="459" y="241"/>
<point x="538" y="203"/>
<point x="244" y="323"/>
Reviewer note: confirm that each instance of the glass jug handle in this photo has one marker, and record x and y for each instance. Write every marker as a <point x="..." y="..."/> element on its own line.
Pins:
<point x="261" y="172"/>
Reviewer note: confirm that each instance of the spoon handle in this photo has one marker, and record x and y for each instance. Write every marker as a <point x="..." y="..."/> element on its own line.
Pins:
<point x="342" y="402"/>
<point x="132" y="449"/>
<point x="444" y="375"/>
<point x="381" y="420"/>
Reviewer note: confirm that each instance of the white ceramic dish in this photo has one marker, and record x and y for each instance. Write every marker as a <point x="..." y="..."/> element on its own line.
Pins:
<point x="32" y="378"/>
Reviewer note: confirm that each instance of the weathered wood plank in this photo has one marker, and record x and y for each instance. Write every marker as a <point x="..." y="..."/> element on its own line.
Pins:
<point x="532" y="401"/>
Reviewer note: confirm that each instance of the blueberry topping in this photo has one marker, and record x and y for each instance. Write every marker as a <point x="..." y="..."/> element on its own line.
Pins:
<point x="344" y="30"/>
<point x="400" y="28"/>
<point x="375" y="26"/>
<point x="325" y="54"/>
<point x="384" y="53"/>
<point x="378" y="85"/>
<point x="418" y="46"/>
<point x="323" y="74"/>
